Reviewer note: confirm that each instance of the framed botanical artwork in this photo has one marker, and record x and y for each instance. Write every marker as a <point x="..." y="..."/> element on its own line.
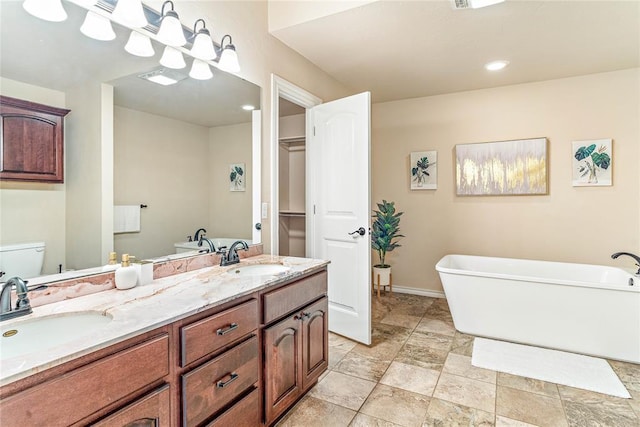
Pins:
<point x="424" y="173"/>
<point x="237" y="177"/>
<point x="516" y="167"/>
<point x="592" y="162"/>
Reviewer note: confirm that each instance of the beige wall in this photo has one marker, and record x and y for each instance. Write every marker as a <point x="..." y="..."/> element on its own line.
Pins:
<point x="29" y="211"/>
<point x="229" y="211"/>
<point x="162" y="163"/>
<point x="87" y="176"/>
<point x="569" y="224"/>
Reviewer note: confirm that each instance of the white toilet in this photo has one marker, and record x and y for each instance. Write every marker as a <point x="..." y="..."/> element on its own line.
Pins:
<point x="23" y="260"/>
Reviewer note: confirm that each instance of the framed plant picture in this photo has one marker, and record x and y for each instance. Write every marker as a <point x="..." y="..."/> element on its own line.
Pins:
<point x="237" y="177"/>
<point x="592" y="162"/>
<point x="423" y="172"/>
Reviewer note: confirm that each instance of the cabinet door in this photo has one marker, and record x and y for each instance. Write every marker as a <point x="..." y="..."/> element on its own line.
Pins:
<point x="282" y="359"/>
<point x="315" y="345"/>
<point x="152" y="410"/>
<point x="32" y="141"/>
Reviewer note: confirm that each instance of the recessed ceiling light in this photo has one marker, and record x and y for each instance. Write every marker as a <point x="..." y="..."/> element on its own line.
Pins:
<point x="248" y="107"/>
<point x="163" y="76"/>
<point x="496" y="65"/>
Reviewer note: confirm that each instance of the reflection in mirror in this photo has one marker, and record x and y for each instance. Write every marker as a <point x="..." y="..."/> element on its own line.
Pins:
<point x="128" y="141"/>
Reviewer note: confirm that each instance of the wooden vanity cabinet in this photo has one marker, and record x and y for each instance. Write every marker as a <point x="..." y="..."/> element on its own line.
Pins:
<point x="88" y="391"/>
<point x="220" y="361"/>
<point x="151" y="410"/>
<point x="241" y="364"/>
<point x="295" y="347"/>
<point x="32" y="141"/>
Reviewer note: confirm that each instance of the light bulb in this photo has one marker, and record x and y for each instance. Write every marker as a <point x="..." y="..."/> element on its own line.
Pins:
<point x="97" y="27"/>
<point x="49" y="10"/>
<point x="139" y="45"/>
<point x="130" y="13"/>
<point x="200" y="70"/>
<point x="172" y="58"/>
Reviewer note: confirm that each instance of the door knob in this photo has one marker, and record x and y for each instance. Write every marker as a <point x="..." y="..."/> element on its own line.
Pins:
<point x="258" y="226"/>
<point x="361" y="231"/>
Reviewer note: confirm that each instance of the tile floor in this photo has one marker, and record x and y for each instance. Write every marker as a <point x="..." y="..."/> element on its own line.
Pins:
<point x="418" y="372"/>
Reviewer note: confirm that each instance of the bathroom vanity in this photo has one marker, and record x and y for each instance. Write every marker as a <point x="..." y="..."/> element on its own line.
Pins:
<point x="243" y="351"/>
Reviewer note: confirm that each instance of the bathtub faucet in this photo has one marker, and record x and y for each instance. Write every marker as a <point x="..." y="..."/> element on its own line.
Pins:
<point x="636" y="257"/>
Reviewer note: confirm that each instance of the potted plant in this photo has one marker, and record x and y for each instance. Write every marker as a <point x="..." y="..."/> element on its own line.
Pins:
<point x="384" y="234"/>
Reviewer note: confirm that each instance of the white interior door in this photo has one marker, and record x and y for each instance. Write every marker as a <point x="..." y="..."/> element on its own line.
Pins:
<point x="339" y="176"/>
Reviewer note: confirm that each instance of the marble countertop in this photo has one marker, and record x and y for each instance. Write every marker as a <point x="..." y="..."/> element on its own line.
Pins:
<point x="144" y="308"/>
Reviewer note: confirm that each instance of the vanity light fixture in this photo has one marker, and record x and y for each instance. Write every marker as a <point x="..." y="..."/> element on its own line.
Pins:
<point x="130" y="13"/>
<point x="228" y="58"/>
<point x="170" y="32"/>
<point x="200" y="70"/>
<point x="172" y="58"/>
<point x="248" y="107"/>
<point x="97" y="27"/>
<point x="139" y="45"/>
<point x="496" y="65"/>
<point x="202" y="44"/>
<point x="49" y="10"/>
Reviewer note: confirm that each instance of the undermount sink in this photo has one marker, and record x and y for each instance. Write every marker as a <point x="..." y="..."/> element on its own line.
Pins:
<point x="18" y="338"/>
<point x="258" y="270"/>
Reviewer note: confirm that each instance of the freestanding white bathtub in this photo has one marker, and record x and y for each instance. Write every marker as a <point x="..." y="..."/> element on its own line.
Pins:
<point x="588" y="309"/>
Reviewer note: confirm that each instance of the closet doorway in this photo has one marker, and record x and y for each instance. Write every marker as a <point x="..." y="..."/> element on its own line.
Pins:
<point x="291" y="179"/>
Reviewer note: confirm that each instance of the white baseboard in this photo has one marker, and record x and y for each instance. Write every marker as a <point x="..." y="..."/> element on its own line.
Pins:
<point x="416" y="291"/>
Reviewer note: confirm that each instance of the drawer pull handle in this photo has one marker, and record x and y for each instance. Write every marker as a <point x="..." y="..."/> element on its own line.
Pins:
<point x="223" y="384"/>
<point x="227" y="330"/>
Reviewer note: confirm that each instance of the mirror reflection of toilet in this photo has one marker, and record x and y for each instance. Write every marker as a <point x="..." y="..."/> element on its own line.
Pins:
<point x="23" y="260"/>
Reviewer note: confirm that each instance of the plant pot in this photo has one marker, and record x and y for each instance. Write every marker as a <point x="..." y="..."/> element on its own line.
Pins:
<point x="383" y="274"/>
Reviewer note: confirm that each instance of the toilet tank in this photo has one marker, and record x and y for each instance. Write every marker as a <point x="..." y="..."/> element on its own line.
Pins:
<point x="23" y="260"/>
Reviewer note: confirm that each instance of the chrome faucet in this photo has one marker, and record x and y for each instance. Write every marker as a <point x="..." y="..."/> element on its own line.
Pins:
<point x="196" y="237"/>
<point x="23" y="306"/>
<point x="231" y="256"/>
<point x="635" y="257"/>
<point x="212" y="248"/>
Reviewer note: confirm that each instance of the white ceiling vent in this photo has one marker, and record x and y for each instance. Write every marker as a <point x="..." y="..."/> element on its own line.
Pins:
<point x="474" y="4"/>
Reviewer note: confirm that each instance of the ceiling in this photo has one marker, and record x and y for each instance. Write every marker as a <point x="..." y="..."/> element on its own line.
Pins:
<point x="57" y="56"/>
<point x="407" y="49"/>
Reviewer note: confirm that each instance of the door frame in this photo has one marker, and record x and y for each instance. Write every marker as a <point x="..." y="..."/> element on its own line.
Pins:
<point x="281" y="88"/>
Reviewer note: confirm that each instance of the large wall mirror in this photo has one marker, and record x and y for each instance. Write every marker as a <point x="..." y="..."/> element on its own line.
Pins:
<point x="171" y="147"/>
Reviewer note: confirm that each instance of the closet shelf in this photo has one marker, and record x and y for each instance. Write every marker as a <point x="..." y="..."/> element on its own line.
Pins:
<point x="293" y="143"/>
<point x="292" y="213"/>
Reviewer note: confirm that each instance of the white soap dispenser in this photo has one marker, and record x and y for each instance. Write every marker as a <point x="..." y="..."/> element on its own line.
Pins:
<point x="126" y="275"/>
<point x="113" y="262"/>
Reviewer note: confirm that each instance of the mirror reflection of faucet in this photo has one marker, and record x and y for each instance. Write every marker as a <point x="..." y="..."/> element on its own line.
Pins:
<point x="196" y="236"/>
<point x="212" y="248"/>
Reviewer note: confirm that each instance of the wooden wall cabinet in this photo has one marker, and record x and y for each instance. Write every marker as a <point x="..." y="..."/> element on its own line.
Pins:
<point x="32" y="141"/>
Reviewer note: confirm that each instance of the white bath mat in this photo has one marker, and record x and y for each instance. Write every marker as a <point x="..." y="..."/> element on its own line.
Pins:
<point x="574" y="370"/>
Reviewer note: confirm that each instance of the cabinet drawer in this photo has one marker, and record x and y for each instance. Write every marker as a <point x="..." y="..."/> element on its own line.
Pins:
<point x="151" y="410"/>
<point x="80" y="393"/>
<point x="284" y="300"/>
<point x="245" y="413"/>
<point x="207" y="389"/>
<point x="207" y="335"/>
